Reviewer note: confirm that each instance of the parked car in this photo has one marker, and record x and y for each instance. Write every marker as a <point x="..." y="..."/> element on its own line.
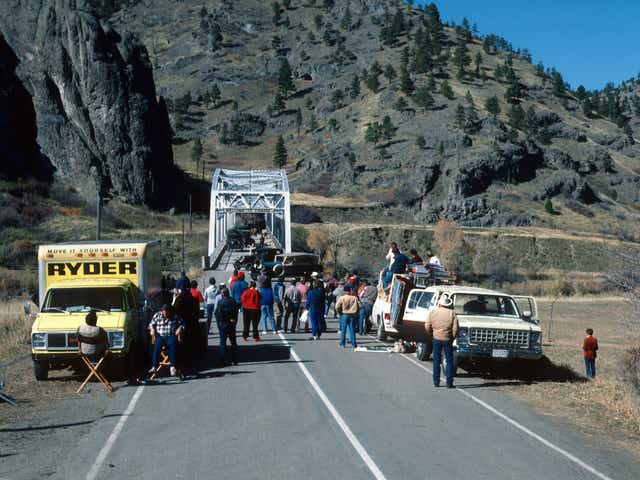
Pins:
<point x="255" y="260"/>
<point x="293" y="265"/>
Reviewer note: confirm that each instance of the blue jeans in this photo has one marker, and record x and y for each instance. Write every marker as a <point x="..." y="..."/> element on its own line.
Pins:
<point x="315" y="318"/>
<point x="171" y="343"/>
<point x="348" y="322"/>
<point x="438" y="347"/>
<point x="590" y="364"/>
<point x="209" y="310"/>
<point x="227" y="330"/>
<point x="363" y="316"/>
<point x="267" y="313"/>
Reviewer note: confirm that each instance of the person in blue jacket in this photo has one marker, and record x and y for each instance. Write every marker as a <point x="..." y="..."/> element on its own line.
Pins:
<point x="239" y="286"/>
<point x="315" y="307"/>
<point x="266" y="309"/>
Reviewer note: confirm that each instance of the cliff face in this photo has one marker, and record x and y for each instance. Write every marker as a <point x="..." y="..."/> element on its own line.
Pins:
<point x="97" y="116"/>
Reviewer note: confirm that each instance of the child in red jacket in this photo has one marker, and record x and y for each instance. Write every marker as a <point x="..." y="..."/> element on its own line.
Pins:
<point x="589" y="349"/>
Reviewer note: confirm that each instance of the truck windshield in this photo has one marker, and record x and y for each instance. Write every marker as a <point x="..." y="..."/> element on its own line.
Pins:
<point x="489" y="305"/>
<point x="111" y="299"/>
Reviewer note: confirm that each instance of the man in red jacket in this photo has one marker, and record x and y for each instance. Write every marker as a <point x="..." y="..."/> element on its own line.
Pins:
<point x="250" y="301"/>
<point x="589" y="349"/>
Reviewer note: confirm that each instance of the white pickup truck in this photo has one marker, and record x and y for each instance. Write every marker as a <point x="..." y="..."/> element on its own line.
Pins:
<point x="493" y="325"/>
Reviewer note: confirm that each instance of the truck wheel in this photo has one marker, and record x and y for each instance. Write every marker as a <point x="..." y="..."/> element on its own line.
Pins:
<point x="40" y="370"/>
<point x="381" y="335"/>
<point x="456" y="361"/>
<point x="423" y="351"/>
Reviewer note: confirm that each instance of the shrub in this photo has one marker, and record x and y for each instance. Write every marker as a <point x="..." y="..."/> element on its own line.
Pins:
<point x="563" y="288"/>
<point x="299" y="237"/>
<point x="630" y="368"/>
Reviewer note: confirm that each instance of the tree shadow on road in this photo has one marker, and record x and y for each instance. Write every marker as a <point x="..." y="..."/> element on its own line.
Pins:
<point x="525" y="372"/>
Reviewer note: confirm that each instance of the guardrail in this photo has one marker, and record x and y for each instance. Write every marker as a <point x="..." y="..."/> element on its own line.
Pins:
<point x="218" y="253"/>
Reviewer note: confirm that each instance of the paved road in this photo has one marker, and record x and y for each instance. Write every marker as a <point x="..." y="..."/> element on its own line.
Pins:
<point x="295" y="408"/>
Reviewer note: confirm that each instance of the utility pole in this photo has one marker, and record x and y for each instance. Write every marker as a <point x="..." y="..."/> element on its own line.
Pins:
<point x="183" y="268"/>
<point x="98" y="214"/>
<point x="190" y="216"/>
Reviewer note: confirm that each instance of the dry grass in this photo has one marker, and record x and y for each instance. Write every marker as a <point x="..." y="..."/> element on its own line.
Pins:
<point x="309" y="200"/>
<point x="15" y="327"/>
<point x="606" y="405"/>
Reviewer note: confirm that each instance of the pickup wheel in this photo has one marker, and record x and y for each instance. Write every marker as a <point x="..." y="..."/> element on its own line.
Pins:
<point x="381" y="334"/>
<point x="423" y="350"/>
<point x="40" y="370"/>
<point x="456" y="362"/>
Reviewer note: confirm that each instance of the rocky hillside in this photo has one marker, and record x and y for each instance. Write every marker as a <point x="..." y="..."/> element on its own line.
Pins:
<point x="387" y="105"/>
<point x="89" y="94"/>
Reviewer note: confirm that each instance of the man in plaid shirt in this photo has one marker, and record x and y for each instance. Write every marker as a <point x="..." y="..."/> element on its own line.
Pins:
<point x="165" y="327"/>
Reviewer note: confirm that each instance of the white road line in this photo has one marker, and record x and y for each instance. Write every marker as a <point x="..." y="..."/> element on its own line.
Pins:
<point x="377" y="473"/>
<point x="521" y="427"/>
<point x="95" y="468"/>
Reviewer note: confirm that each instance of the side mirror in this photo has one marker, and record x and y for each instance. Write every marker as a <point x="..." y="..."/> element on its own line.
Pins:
<point x="527" y="314"/>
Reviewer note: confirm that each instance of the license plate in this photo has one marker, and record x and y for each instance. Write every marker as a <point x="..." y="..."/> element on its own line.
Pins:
<point x="500" y="353"/>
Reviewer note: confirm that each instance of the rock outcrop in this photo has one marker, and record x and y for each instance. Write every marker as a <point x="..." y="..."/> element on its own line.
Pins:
<point x="97" y="116"/>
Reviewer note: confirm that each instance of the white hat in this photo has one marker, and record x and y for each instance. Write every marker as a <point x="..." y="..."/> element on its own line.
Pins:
<point x="314" y="274"/>
<point x="445" y="301"/>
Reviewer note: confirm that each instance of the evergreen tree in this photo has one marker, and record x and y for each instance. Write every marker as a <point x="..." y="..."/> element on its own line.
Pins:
<point x="628" y="131"/>
<point x="431" y="83"/>
<point x="405" y="57"/>
<point x="328" y="4"/>
<point x="224" y="134"/>
<point x="441" y="150"/>
<point x="469" y="98"/>
<point x="371" y="81"/>
<point x="196" y="152"/>
<point x="401" y="104"/>
<point x="557" y="83"/>
<point x="478" y="62"/>
<point x="347" y="19"/>
<point x="354" y="88"/>
<point x="461" y="58"/>
<point x="389" y="72"/>
<point x="298" y="120"/>
<point x="421" y="143"/>
<point x="516" y="116"/>
<point x="493" y="106"/>
<point x="318" y="22"/>
<point x="472" y="121"/>
<point x="423" y="99"/>
<point x="336" y="98"/>
<point x="286" y="4"/>
<point x="406" y="84"/>
<point x="513" y="93"/>
<point x="214" y="95"/>
<point x="235" y="132"/>
<point x="446" y="90"/>
<point x="278" y="102"/>
<point x="548" y="207"/>
<point x="285" y="78"/>
<point x="280" y="156"/>
<point x="460" y="117"/>
<point x="376" y="69"/>
<point x="277" y="13"/>
<point x="313" y="123"/>
<point x="373" y="133"/>
<point x="387" y="129"/>
<point x="531" y="122"/>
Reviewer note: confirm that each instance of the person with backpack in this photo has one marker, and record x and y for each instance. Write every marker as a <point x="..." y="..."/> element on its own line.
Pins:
<point x="226" y="313"/>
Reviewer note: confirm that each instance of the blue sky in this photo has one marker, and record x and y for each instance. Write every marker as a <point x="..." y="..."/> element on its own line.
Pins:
<point x="589" y="42"/>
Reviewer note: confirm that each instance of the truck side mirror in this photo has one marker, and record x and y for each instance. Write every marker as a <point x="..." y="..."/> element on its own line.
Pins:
<point x="527" y="314"/>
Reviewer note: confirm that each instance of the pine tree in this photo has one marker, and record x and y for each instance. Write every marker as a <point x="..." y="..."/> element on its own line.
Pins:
<point x="387" y="128"/>
<point x="548" y="207"/>
<point x="354" y="88"/>
<point x="406" y="84"/>
<point x="196" y="152"/>
<point x="423" y="98"/>
<point x="313" y="123"/>
<point x="278" y="102"/>
<point x="286" y="4"/>
<point x="336" y="98"/>
<point x="460" y="117"/>
<point x="235" y="132"/>
<point x="531" y="122"/>
<point x="373" y="133"/>
<point x="347" y="19"/>
<point x="421" y="143"/>
<point x="469" y="98"/>
<point x="214" y="95"/>
<point x="401" y="104"/>
<point x="376" y="69"/>
<point x="277" y="13"/>
<point x="280" y="156"/>
<point x="516" y="116"/>
<point x="461" y="58"/>
<point x="431" y="83"/>
<point x="389" y="72"/>
<point x="298" y="120"/>
<point x="224" y="134"/>
<point x="446" y="90"/>
<point x="557" y="83"/>
<point x="371" y="81"/>
<point x="441" y="150"/>
<point x="472" y="121"/>
<point x="493" y="106"/>
<point x="285" y="78"/>
<point x="478" y="62"/>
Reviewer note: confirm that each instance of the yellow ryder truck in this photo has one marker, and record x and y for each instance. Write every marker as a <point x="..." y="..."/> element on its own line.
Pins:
<point x="121" y="281"/>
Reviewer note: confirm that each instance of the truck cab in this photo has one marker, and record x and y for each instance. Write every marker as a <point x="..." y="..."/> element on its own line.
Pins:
<point x="493" y="325"/>
<point x="120" y="281"/>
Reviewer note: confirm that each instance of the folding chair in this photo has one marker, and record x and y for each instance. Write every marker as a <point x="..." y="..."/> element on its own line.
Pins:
<point x="164" y="360"/>
<point x="94" y="370"/>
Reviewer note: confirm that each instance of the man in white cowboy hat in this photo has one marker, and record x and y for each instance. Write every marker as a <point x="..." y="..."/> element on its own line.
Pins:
<point x="442" y="325"/>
